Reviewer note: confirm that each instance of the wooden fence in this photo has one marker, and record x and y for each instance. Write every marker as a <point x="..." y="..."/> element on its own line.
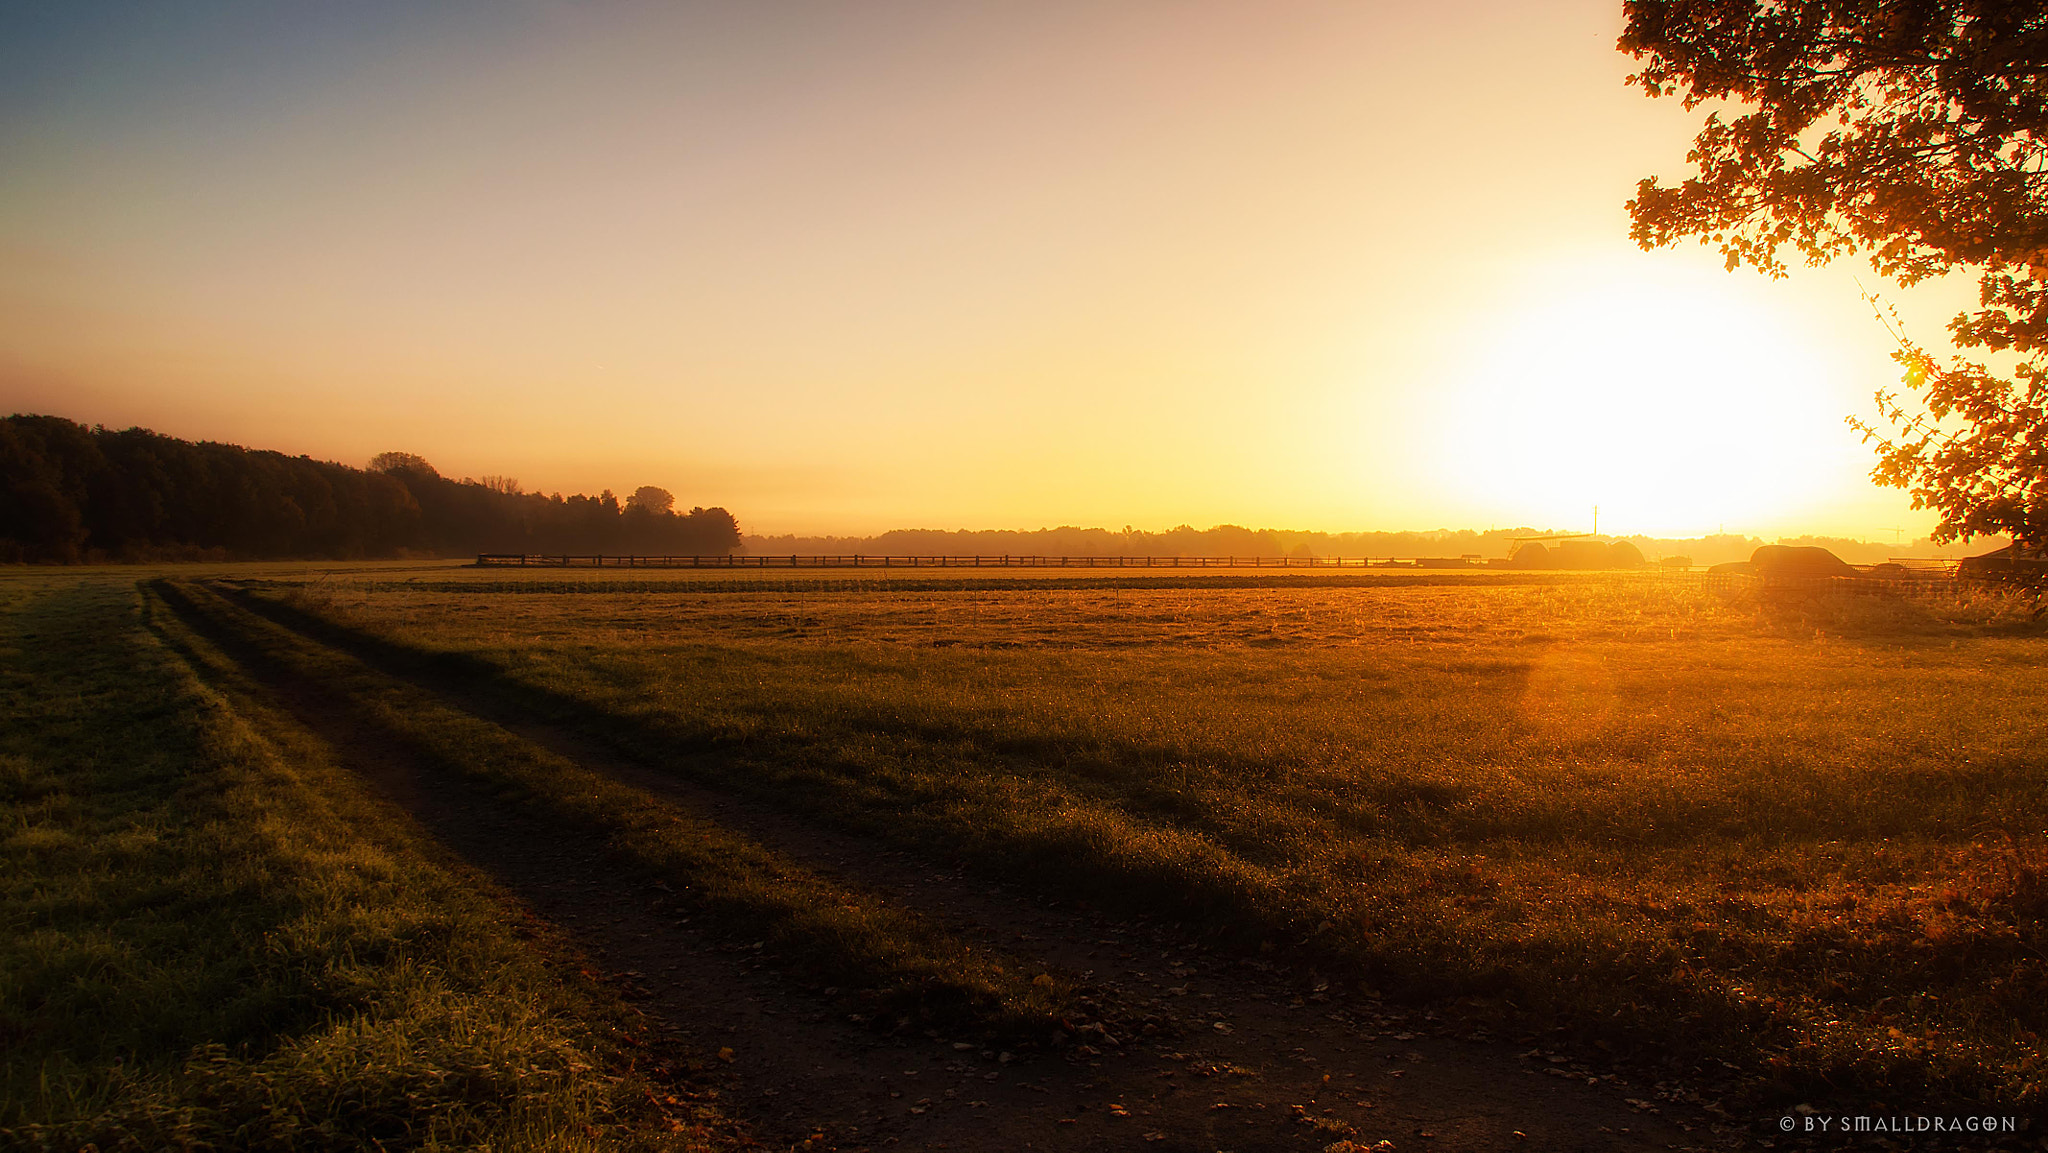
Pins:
<point x="1911" y="578"/>
<point x="861" y="560"/>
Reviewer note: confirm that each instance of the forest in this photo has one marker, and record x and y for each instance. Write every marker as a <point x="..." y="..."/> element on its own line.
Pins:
<point x="71" y="493"/>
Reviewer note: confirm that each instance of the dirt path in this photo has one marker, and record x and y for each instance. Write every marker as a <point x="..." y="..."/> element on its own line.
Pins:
<point x="1287" y="1028"/>
<point x="1250" y="1057"/>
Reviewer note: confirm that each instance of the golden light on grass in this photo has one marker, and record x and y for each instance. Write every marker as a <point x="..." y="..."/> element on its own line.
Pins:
<point x="1570" y="693"/>
<point x="1497" y="788"/>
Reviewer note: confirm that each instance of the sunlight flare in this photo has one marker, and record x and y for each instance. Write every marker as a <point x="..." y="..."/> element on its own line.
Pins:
<point x="1674" y="401"/>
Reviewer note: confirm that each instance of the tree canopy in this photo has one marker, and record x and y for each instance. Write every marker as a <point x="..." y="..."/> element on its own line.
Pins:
<point x="1908" y="131"/>
<point x="402" y="462"/>
<point x="654" y="501"/>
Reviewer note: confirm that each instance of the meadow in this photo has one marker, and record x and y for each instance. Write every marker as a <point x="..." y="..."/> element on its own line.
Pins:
<point x="1799" y="840"/>
<point x="216" y="938"/>
<point x="1812" y="830"/>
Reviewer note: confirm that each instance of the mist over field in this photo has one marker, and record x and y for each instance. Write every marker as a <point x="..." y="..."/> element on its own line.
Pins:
<point x="1232" y="540"/>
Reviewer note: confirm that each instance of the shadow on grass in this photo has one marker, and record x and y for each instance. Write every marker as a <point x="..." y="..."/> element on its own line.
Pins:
<point x="1699" y="986"/>
<point x="907" y="970"/>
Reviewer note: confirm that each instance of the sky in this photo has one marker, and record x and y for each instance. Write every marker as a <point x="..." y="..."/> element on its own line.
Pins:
<point x="848" y="267"/>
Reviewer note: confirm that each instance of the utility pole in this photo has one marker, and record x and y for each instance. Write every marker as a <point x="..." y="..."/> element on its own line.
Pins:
<point x="1596" y="520"/>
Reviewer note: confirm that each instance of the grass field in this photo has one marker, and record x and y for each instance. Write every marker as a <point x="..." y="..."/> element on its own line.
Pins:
<point x="1803" y="837"/>
<point x="214" y="939"/>
<point x="1807" y="834"/>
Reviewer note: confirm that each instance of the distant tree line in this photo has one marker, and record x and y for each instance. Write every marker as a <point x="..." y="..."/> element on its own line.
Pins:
<point x="70" y="493"/>
<point x="1235" y="540"/>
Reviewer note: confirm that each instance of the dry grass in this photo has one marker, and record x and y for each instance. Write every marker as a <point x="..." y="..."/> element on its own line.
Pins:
<point x="214" y="939"/>
<point x="1803" y="835"/>
<point x="895" y="965"/>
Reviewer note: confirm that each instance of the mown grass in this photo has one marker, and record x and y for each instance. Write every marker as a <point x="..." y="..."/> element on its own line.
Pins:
<point x="214" y="939"/>
<point x="898" y="966"/>
<point x="1805" y="836"/>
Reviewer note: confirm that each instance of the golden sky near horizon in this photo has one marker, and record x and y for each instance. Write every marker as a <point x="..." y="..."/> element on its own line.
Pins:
<point x="849" y="267"/>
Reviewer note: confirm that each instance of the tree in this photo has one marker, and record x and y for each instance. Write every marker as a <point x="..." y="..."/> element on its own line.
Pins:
<point x="402" y="462"/>
<point x="658" y="501"/>
<point x="1914" y="132"/>
<point x="710" y="530"/>
<point x="45" y="466"/>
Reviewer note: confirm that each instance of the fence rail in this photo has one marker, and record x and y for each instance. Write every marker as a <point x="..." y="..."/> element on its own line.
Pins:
<point x="1008" y="560"/>
<point x="1915" y="576"/>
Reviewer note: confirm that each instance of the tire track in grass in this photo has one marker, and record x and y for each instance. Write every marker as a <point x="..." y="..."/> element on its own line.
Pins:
<point x="1068" y="841"/>
<point x="616" y="867"/>
<point x="1245" y="1041"/>
<point x="238" y="947"/>
<point x="912" y="966"/>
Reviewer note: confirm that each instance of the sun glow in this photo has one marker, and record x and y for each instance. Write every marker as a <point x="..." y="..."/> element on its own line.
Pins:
<point x="1676" y="401"/>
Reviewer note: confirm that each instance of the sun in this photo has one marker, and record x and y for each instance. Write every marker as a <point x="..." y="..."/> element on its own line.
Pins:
<point x="1674" y="401"/>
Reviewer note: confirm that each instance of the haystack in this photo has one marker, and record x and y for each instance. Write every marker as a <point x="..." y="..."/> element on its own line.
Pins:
<point x="2013" y="562"/>
<point x="1785" y="560"/>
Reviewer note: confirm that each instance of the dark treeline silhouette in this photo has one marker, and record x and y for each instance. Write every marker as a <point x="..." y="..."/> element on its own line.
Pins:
<point x="70" y="493"/>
